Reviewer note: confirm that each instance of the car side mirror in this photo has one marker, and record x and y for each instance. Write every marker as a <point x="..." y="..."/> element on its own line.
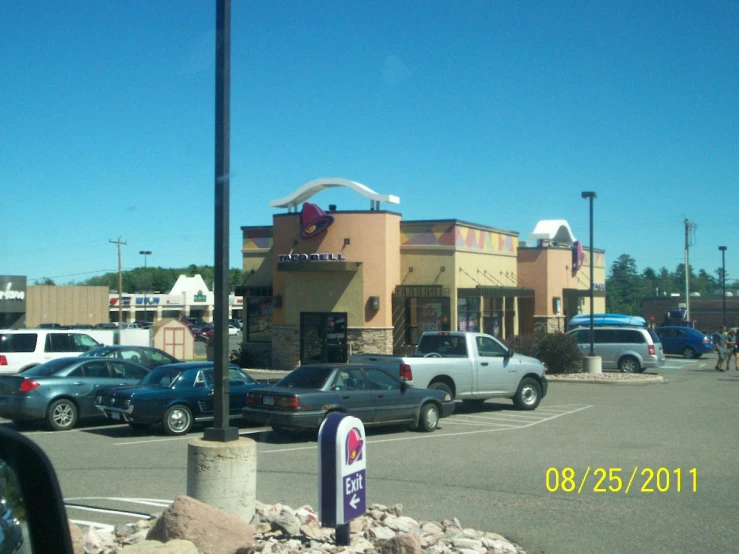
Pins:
<point x="30" y="488"/>
<point x="508" y="353"/>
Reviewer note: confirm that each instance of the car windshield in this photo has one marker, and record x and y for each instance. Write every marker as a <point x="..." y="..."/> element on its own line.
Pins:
<point x="46" y="369"/>
<point x="307" y="377"/>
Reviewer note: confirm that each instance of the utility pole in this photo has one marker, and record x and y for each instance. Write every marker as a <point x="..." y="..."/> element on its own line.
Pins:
<point x="689" y="230"/>
<point x="120" y="282"/>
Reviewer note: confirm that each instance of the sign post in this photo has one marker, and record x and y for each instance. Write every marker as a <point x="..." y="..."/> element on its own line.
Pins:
<point x="342" y="473"/>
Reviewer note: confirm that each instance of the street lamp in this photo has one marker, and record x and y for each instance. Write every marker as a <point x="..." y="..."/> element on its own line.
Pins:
<point x="145" y="253"/>
<point x="723" y="277"/>
<point x="591" y="196"/>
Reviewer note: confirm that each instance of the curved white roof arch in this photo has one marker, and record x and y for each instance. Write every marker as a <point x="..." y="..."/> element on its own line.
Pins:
<point x="317" y="185"/>
<point x="556" y="230"/>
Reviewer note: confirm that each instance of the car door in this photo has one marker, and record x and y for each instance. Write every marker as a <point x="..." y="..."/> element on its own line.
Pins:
<point x="495" y="374"/>
<point x="85" y="381"/>
<point x="354" y="394"/>
<point x="669" y="341"/>
<point x="394" y="402"/>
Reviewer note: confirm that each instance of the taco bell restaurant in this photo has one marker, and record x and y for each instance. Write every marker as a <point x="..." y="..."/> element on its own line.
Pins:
<point x="322" y="283"/>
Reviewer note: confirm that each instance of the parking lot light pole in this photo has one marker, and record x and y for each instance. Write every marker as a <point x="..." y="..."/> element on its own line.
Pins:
<point x="145" y="253"/>
<point x="723" y="277"/>
<point x="591" y="196"/>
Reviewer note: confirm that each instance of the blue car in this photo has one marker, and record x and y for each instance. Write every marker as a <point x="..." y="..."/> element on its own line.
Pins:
<point x="175" y="395"/>
<point x="684" y="341"/>
<point x="62" y="391"/>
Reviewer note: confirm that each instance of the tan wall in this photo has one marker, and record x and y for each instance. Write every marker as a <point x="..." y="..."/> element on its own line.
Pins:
<point x="66" y="305"/>
<point x="548" y="271"/>
<point x="373" y="241"/>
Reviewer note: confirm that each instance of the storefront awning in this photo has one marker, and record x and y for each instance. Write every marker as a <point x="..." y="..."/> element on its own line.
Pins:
<point x="419" y="291"/>
<point x="253" y="291"/>
<point x="351" y="267"/>
<point x="496" y="292"/>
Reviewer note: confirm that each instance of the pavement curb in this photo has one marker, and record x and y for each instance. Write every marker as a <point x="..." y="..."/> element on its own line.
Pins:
<point x="651" y="380"/>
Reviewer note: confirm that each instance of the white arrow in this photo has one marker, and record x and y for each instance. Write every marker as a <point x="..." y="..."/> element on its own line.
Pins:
<point x="354" y="501"/>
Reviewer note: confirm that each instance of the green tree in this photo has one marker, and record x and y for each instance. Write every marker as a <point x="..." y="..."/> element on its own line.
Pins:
<point x="624" y="286"/>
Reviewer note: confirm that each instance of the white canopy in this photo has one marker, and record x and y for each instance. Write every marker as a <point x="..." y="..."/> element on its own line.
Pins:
<point x="554" y="230"/>
<point x="312" y="187"/>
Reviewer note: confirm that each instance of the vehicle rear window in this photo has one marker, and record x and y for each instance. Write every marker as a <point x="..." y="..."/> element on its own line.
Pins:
<point x="162" y="377"/>
<point x="307" y="376"/>
<point x="48" y="368"/>
<point x="445" y="345"/>
<point x="18" y="342"/>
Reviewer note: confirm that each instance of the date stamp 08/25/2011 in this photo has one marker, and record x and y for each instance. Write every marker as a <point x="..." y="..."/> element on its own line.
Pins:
<point x="618" y="480"/>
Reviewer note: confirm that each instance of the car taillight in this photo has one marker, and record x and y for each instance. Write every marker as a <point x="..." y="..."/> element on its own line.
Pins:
<point x="3" y="360"/>
<point x="252" y="398"/>
<point x="651" y="349"/>
<point x="292" y="402"/>
<point x="405" y="372"/>
<point x="27" y="385"/>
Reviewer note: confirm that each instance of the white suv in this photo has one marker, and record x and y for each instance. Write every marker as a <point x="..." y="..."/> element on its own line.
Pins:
<point x="21" y="349"/>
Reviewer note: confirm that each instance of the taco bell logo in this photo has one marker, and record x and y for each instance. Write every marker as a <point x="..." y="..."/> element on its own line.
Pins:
<point x="313" y="220"/>
<point x="354" y="446"/>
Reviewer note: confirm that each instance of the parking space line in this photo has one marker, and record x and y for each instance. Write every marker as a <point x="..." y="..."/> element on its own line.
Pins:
<point x="481" y="423"/>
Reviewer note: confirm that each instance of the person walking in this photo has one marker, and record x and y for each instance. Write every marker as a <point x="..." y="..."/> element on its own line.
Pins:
<point x="721" y="349"/>
<point x="734" y="341"/>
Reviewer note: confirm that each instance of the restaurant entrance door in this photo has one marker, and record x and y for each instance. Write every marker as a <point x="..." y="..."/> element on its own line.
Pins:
<point x="323" y="337"/>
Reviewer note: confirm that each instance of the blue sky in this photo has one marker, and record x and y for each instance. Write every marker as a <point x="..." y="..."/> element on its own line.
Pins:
<point x="496" y="113"/>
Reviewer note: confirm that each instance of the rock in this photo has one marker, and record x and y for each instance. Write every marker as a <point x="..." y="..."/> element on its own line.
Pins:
<point x="380" y="533"/>
<point x="312" y="530"/>
<point x="287" y="522"/>
<point x="78" y="539"/>
<point x="175" y="546"/>
<point x="212" y="530"/>
<point x="432" y="529"/>
<point x="404" y="543"/>
<point x="470" y="544"/>
<point x="403" y="523"/>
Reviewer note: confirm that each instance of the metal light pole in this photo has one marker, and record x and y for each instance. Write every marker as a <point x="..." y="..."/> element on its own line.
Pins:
<point x="221" y="430"/>
<point x="723" y="277"/>
<point x="591" y="196"/>
<point x="145" y="253"/>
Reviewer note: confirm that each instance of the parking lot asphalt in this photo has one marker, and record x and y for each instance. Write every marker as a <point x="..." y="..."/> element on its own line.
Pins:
<point x="533" y="477"/>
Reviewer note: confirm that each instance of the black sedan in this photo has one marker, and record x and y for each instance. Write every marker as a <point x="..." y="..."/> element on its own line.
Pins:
<point x="62" y="391"/>
<point x="144" y="355"/>
<point x="175" y="395"/>
<point x="305" y="397"/>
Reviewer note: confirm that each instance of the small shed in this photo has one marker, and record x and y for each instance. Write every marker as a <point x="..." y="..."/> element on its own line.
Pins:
<point x="174" y="337"/>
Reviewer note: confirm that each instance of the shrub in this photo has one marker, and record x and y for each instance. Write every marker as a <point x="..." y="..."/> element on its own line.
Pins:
<point x="559" y="352"/>
<point x="523" y="344"/>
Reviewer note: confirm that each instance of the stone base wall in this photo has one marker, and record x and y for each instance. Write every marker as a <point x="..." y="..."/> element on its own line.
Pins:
<point x="285" y="347"/>
<point x="549" y="324"/>
<point x="370" y="341"/>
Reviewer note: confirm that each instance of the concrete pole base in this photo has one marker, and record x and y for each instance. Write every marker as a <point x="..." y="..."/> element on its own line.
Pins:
<point x="592" y="364"/>
<point x="224" y="475"/>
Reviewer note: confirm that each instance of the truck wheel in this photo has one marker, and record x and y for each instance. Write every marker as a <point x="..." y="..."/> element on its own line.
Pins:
<point x="442" y="386"/>
<point x="528" y="394"/>
<point x="428" y="419"/>
<point x="62" y="415"/>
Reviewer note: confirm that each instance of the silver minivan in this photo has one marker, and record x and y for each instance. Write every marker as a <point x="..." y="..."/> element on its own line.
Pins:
<point x="630" y="349"/>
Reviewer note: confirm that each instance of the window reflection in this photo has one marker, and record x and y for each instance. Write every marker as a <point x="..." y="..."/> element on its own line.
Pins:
<point x="13" y="526"/>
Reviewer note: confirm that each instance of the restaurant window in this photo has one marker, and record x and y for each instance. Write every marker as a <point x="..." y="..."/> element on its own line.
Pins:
<point x="492" y="316"/>
<point x="468" y="314"/>
<point x="258" y="319"/>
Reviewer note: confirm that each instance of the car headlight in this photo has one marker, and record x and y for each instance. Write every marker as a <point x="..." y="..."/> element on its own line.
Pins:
<point x="447" y="398"/>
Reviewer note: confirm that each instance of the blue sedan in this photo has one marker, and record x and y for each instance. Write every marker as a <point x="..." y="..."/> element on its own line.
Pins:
<point x="175" y="395"/>
<point x="62" y="391"/>
<point x="684" y="341"/>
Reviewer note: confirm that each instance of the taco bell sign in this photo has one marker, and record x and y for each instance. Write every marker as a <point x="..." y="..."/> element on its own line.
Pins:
<point x="342" y="470"/>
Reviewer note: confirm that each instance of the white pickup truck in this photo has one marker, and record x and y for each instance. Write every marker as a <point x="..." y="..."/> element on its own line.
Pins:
<point x="469" y="366"/>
